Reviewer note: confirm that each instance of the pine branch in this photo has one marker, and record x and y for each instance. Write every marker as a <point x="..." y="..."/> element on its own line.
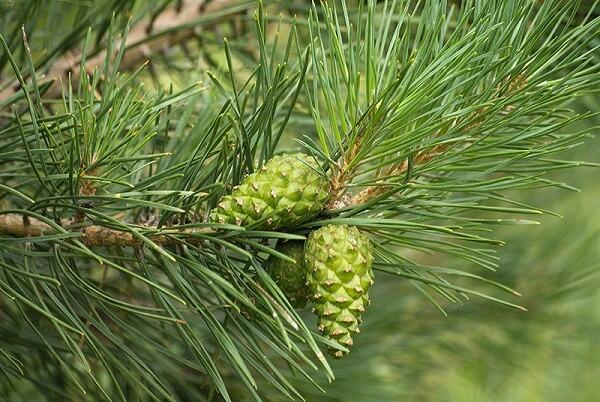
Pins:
<point x="396" y="170"/>
<point x="95" y="235"/>
<point x="112" y="159"/>
<point x="180" y="309"/>
<point x="448" y="122"/>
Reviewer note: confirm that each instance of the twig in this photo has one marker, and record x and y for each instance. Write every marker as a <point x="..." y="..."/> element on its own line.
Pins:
<point x="395" y="170"/>
<point x="343" y="172"/>
<point x="93" y="235"/>
<point x="515" y="84"/>
<point x="341" y="176"/>
<point x="165" y="34"/>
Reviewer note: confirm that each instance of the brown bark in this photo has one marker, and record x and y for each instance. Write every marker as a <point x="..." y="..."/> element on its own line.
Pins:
<point x="92" y="235"/>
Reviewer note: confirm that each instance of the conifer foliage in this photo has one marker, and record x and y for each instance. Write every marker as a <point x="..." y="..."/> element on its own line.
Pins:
<point x="163" y="224"/>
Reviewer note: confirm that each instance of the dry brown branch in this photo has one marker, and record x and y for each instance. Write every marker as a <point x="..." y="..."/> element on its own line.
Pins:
<point x="92" y="235"/>
<point x="163" y="28"/>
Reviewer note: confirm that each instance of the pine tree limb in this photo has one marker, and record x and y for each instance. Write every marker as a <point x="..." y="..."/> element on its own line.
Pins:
<point x="514" y="84"/>
<point x="92" y="235"/>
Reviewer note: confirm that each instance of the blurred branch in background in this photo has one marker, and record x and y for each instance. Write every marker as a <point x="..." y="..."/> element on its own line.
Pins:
<point x="169" y="26"/>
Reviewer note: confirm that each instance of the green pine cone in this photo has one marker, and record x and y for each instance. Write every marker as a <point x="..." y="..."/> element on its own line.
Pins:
<point x="338" y="260"/>
<point x="287" y="191"/>
<point x="290" y="277"/>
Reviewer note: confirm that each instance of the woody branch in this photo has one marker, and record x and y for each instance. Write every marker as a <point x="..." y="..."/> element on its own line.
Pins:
<point x="93" y="235"/>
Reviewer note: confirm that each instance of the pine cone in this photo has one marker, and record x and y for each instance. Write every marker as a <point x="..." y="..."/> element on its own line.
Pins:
<point x="289" y="276"/>
<point x="287" y="191"/>
<point x="338" y="260"/>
